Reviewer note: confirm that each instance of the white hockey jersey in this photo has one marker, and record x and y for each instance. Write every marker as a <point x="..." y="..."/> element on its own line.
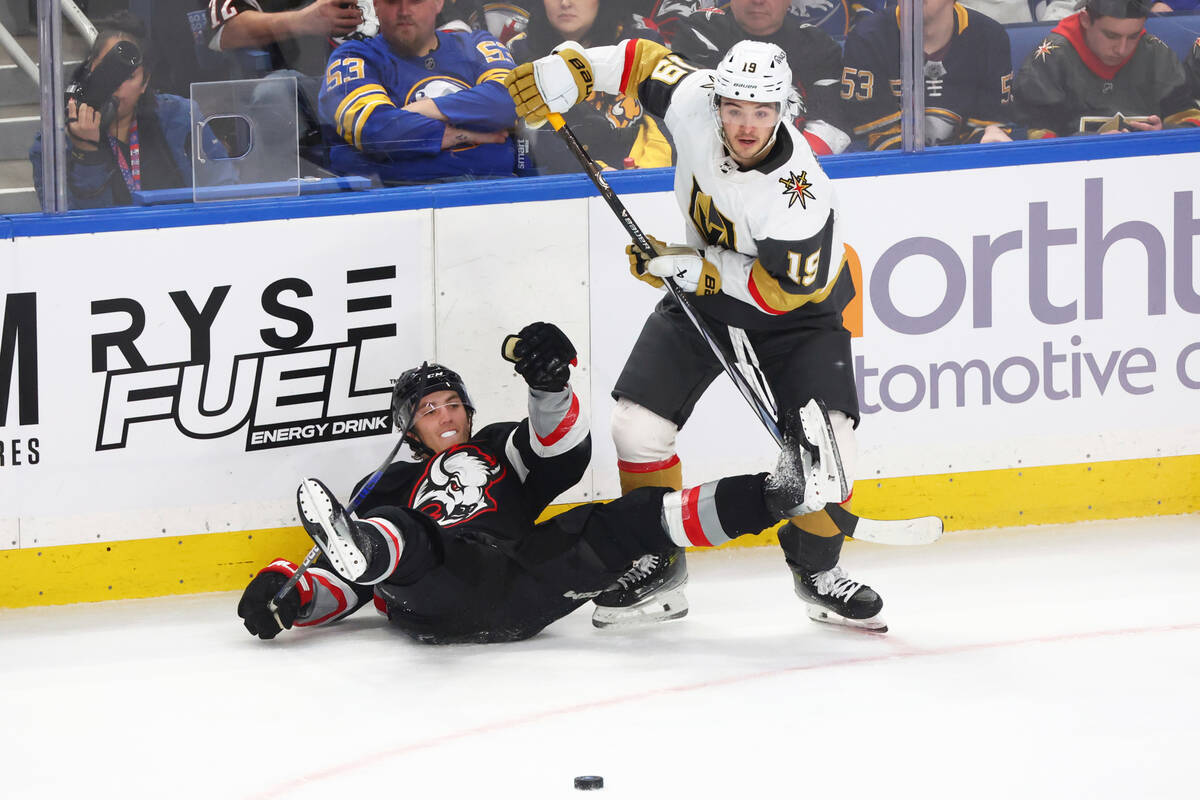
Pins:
<point x="771" y="230"/>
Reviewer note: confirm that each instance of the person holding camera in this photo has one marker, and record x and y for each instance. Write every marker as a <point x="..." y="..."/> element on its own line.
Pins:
<point x="123" y="136"/>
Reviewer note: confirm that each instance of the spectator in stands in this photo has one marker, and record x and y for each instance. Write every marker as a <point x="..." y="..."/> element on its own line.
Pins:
<point x="968" y="76"/>
<point x="1007" y="12"/>
<point x="416" y="104"/>
<point x="138" y="139"/>
<point x="835" y="17"/>
<point x="1191" y="66"/>
<point x="615" y="128"/>
<point x="1099" y="71"/>
<point x="298" y="34"/>
<point x="815" y="58"/>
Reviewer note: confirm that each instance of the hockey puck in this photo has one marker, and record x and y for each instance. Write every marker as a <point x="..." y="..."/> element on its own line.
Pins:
<point x="587" y="782"/>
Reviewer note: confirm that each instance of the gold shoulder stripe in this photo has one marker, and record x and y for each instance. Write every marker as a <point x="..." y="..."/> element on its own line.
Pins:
<point x="640" y="64"/>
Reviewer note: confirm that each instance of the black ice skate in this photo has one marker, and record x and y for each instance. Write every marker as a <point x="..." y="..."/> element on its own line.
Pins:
<point x="833" y="597"/>
<point x="651" y="591"/>
<point x="348" y="549"/>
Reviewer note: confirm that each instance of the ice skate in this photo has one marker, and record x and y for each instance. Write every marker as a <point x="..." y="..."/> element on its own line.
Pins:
<point x="809" y="471"/>
<point x="324" y="519"/>
<point x="833" y="597"/>
<point x="651" y="591"/>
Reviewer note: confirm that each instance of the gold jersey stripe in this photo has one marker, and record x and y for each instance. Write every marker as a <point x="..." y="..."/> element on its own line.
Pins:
<point x="367" y="110"/>
<point x="640" y="64"/>
<point x="370" y="88"/>
<point x="766" y="286"/>
<point x="498" y="74"/>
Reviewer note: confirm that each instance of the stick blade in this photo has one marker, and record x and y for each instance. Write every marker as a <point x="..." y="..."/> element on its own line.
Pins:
<point x="915" y="531"/>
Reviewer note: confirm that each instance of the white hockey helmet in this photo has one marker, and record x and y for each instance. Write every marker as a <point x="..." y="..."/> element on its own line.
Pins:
<point x="754" y="71"/>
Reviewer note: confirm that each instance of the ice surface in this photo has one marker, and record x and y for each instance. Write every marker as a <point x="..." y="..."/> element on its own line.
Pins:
<point x="1050" y="662"/>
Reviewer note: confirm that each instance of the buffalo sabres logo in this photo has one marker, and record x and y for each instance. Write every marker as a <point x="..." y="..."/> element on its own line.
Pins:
<point x="456" y="486"/>
<point x="797" y="188"/>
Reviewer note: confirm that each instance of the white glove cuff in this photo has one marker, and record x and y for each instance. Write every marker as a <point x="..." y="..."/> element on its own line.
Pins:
<point x="555" y="81"/>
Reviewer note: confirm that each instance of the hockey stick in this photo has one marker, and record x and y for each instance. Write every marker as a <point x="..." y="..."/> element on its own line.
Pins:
<point x="354" y="503"/>
<point x="315" y="553"/>
<point x="920" y="530"/>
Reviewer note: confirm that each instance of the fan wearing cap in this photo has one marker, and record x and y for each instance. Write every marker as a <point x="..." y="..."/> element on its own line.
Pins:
<point x="1100" y="71"/>
<point x="768" y="271"/>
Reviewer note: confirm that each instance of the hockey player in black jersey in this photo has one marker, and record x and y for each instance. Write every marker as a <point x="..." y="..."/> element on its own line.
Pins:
<point x="968" y="77"/>
<point x="449" y="548"/>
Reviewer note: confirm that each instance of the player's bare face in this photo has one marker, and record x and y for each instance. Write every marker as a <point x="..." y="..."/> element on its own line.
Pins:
<point x="759" y="17"/>
<point x="748" y="127"/>
<point x="408" y="25"/>
<point x="572" y="19"/>
<point x="1110" y="38"/>
<point x="441" y="421"/>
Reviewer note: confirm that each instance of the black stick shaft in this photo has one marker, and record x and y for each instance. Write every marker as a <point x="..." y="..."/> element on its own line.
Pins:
<point x="765" y="415"/>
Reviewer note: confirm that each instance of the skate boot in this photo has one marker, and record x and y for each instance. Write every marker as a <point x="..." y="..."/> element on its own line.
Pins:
<point x="348" y="548"/>
<point x="831" y="596"/>
<point x="651" y="591"/>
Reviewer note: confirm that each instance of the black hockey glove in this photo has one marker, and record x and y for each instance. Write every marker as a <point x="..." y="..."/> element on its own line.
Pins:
<point x="253" y="606"/>
<point x="544" y="356"/>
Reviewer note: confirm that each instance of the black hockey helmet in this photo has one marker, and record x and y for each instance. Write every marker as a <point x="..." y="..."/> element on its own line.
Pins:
<point x="415" y="383"/>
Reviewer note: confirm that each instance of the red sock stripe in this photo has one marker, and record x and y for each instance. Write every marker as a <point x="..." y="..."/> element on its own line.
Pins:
<point x="390" y="532"/>
<point x="691" y="518"/>
<point x="630" y="53"/>
<point x="565" y="426"/>
<point x="647" y="466"/>
<point x="380" y="605"/>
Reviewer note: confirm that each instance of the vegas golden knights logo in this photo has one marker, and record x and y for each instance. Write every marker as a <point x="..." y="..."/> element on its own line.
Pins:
<point x="715" y="227"/>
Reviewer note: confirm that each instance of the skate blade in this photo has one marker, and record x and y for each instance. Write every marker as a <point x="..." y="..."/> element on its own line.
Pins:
<point x="663" y="607"/>
<point x="316" y="509"/>
<point x="826" y="481"/>
<point x="869" y="625"/>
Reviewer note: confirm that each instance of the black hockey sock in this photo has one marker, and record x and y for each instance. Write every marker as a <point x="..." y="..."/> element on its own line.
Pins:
<point x="809" y="551"/>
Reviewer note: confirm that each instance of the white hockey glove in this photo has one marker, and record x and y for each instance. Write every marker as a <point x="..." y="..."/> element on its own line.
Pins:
<point x="551" y="84"/>
<point x="685" y="264"/>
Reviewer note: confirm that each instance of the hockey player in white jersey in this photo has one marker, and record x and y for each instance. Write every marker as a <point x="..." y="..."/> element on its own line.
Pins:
<point x="769" y="273"/>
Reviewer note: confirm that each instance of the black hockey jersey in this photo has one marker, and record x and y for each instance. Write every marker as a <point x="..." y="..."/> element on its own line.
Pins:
<point x="967" y="84"/>
<point x="814" y="57"/>
<point x="1062" y="84"/>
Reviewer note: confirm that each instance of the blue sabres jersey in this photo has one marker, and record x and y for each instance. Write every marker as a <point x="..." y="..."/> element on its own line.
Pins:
<point x="367" y="86"/>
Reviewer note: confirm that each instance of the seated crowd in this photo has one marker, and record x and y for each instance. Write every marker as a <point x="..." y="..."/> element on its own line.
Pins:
<point x="412" y="91"/>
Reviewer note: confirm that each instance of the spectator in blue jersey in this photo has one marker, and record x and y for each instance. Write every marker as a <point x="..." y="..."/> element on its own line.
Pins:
<point x="137" y="139"/>
<point x="617" y="131"/>
<point x="968" y="78"/>
<point x="418" y="105"/>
